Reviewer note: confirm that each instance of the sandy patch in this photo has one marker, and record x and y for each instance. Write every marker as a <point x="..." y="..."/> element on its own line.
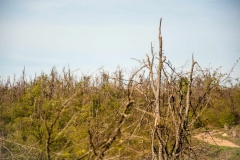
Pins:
<point x="208" y="137"/>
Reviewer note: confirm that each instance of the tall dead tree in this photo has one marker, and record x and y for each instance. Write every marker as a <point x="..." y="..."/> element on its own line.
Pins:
<point x="156" y="88"/>
<point x="172" y="106"/>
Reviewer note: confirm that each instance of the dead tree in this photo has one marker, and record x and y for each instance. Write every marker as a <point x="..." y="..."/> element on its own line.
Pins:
<point x="171" y="129"/>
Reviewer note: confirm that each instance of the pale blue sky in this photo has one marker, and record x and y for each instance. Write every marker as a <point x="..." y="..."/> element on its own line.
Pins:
<point x="89" y="34"/>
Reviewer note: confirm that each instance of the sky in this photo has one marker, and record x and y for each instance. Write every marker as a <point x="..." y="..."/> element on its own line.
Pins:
<point x="86" y="35"/>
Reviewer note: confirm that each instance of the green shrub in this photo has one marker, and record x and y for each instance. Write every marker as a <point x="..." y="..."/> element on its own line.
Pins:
<point x="228" y="118"/>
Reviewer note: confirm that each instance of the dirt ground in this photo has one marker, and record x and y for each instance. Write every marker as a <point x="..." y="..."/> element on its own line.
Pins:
<point x="208" y="137"/>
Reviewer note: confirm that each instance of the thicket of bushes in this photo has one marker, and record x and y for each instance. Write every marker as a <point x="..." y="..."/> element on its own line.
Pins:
<point x="60" y="116"/>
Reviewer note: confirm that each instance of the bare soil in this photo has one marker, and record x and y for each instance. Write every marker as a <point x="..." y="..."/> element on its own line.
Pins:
<point x="208" y="137"/>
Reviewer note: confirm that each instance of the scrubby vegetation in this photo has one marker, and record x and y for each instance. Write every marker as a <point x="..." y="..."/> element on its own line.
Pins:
<point x="148" y="114"/>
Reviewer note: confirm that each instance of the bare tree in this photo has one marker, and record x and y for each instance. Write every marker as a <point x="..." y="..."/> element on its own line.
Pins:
<point x="174" y="112"/>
